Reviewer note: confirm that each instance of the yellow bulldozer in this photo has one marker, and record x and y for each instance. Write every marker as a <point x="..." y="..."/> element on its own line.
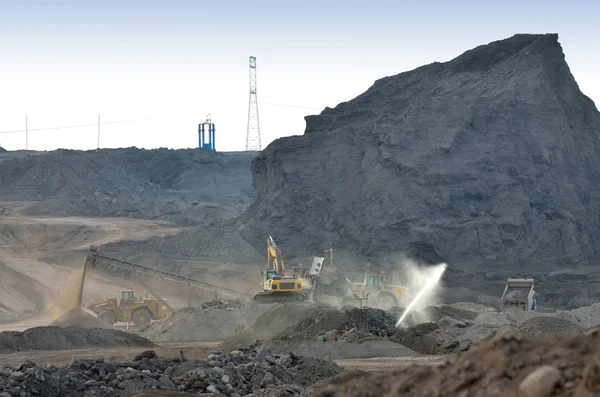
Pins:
<point x="277" y="287"/>
<point x="130" y="308"/>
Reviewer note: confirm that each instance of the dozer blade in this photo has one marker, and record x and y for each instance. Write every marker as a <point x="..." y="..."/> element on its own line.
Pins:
<point x="279" y="297"/>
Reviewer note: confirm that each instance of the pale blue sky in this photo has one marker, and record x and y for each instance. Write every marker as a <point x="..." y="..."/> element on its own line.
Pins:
<point x="63" y="63"/>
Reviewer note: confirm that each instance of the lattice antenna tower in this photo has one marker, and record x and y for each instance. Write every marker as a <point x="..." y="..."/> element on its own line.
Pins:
<point x="253" y="131"/>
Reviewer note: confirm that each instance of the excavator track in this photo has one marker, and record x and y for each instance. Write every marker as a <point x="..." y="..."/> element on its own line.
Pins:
<point x="280" y="297"/>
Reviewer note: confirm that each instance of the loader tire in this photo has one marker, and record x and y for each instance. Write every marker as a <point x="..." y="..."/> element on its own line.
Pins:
<point x="142" y="317"/>
<point x="386" y="300"/>
<point x="107" y="317"/>
<point x="349" y="302"/>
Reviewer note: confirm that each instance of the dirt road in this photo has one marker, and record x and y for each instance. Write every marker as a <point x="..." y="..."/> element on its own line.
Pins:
<point x="385" y="364"/>
<point x="196" y="350"/>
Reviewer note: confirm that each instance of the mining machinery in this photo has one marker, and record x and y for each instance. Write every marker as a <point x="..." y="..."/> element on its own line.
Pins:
<point x="277" y="287"/>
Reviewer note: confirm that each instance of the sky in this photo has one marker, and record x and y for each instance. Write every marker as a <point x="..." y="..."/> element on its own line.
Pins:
<point x="160" y="67"/>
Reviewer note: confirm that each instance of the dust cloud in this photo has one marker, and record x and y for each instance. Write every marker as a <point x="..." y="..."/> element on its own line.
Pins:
<point x="66" y="307"/>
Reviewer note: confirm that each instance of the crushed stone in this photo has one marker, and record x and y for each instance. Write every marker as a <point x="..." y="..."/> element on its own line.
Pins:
<point x="236" y="373"/>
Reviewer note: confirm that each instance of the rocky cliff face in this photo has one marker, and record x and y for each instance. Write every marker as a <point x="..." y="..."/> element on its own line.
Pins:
<point x="492" y="158"/>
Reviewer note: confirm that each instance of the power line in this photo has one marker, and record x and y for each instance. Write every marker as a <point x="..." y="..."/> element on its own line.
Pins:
<point x="291" y="106"/>
<point x="27" y="130"/>
<point x="94" y="124"/>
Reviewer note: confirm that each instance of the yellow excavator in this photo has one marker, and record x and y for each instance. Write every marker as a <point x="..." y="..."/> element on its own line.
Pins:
<point x="277" y="287"/>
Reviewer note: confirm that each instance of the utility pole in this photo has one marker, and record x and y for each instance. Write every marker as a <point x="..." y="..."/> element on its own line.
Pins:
<point x="26" y="134"/>
<point x="98" y="132"/>
<point x="253" y="131"/>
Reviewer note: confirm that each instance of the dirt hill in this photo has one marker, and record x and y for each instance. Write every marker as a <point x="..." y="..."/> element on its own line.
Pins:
<point x="194" y="184"/>
<point x="2" y="150"/>
<point x="492" y="158"/>
<point x="552" y="365"/>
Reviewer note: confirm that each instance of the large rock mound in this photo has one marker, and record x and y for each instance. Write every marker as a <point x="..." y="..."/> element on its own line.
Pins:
<point x="491" y="158"/>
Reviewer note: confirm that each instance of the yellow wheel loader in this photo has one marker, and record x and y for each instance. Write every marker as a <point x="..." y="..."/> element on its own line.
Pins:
<point x="130" y="308"/>
<point x="382" y="295"/>
<point x="277" y="287"/>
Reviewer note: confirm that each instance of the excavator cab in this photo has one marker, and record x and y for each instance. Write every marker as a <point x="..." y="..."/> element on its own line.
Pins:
<point x="270" y="275"/>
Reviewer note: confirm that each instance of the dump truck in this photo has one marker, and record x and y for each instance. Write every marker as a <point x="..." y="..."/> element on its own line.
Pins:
<point x="519" y="293"/>
<point x="129" y="308"/>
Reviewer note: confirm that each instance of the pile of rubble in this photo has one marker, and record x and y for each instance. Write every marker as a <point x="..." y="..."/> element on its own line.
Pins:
<point x="57" y="338"/>
<point x="328" y="324"/>
<point x="234" y="374"/>
<point x="222" y="304"/>
<point x="354" y="325"/>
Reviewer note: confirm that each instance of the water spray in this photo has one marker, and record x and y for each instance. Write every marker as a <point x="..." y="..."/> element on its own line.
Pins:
<point x="429" y="284"/>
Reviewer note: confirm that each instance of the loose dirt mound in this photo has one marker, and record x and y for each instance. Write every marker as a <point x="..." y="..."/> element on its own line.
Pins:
<point x="418" y="338"/>
<point x="320" y="322"/>
<point x="276" y="320"/>
<point x="434" y="314"/>
<point x="585" y="317"/>
<point x="198" y="324"/>
<point x="493" y="368"/>
<point x="544" y="326"/>
<point x="81" y="318"/>
<point x="323" y="332"/>
<point x="448" y="162"/>
<point x="57" y="338"/>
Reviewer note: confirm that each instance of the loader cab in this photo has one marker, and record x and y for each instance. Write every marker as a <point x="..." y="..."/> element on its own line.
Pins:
<point x="373" y="281"/>
<point x="127" y="298"/>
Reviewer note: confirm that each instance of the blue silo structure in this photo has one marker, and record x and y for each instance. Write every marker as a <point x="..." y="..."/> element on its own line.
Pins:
<point x="206" y="134"/>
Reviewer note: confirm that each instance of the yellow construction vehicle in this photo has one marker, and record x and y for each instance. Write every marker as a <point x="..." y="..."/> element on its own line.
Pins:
<point x="382" y="295"/>
<point x="277" y="287"/>
<point x="130" y="308"/>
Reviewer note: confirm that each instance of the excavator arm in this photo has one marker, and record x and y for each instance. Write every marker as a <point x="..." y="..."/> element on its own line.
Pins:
<point x="274" y="261"/>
